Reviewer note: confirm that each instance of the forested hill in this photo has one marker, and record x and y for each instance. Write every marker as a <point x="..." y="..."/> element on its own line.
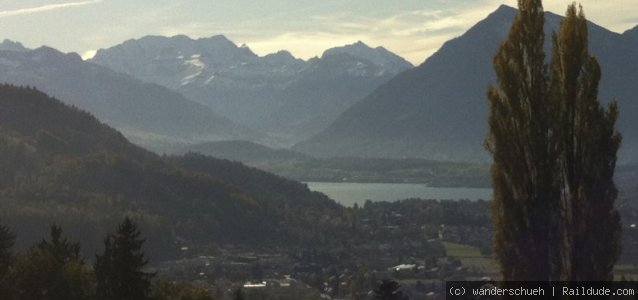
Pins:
<point x="62" y="165"/>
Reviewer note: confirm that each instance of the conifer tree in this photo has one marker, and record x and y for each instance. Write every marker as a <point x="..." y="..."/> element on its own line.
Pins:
<point x="119" y="270"/>
<point x="63" y="249"/>
<point x="589" y="144"/>
<point x="389" y="290"/>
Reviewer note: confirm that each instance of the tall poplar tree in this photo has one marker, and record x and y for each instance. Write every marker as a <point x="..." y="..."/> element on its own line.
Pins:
<point x="554" y="149"/>
<point x="589" y="141"/>
<point x="524" y="149"/>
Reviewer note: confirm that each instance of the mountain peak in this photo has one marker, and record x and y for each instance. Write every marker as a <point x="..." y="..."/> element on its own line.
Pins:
<point x="438" y="109"/>
<point x="55" y="53"/>
<point x="281" y="54"/>
<point x="505" y="7"/>
<point x="219" y="38"/>
<point x="9" y="45"/>
<point x="281" y="58"/>
<point x="356" y="45"/>
<point x="48" y="51"/>
<point x="181" y="37"/>
<point x="378" y="56"/>
<point x="503" y="12"/>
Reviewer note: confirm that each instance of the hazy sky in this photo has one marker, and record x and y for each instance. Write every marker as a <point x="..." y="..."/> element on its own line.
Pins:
<point x="413" y="29"/>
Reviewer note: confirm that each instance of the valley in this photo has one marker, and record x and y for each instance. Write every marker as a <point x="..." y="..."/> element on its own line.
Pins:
<point x="352" y="174"/>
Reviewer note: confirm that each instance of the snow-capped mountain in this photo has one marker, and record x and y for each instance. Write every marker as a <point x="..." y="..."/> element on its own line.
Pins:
<point x="180" y="61"/>
<point x="388" y="61"/>
<point x="329" y="85"/>
<point x="273" y="92"/>
<point x="149" y="114"/>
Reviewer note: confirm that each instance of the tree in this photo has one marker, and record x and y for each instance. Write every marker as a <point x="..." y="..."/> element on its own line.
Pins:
<point x="589" y="143"/>
<point x="238" y="294"/>
<point x="70" y="278"/>
<point x="524" y="149"/>
<point x="63" y="250"/>
<point x="119" y="270"/>
<point x="51" y="270"/>
<point x="34" y="274"/>
<point x="554" y="151"/>
<point x="7" y="240"/>
<point x="389" y="290"/>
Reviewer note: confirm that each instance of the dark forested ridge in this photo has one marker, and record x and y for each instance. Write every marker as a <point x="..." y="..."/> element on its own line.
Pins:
<point x="62" y="165"/>
<point x="243" y="151"/>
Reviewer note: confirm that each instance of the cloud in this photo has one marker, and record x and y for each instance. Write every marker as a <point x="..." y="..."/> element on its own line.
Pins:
<point x="302" y="44"/>
<point x="415" y="35"/>
<point x="414" y="32"/>
<point x="618" y="15"/>
<point x="43" y="8"/>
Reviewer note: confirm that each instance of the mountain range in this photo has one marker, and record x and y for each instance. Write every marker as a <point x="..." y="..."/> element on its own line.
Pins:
<point x="352" y="101"/>
<point x="438" y="110"/>
<point x="290" y="98"/>
<point x="147" y="113"/>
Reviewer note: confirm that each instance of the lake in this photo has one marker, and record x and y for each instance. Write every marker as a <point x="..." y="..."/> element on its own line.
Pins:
<point x="349" y="193"/>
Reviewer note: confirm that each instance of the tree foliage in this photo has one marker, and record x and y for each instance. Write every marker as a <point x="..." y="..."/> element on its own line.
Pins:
<point x="62" y="249"/>
<point x="589" y="142"/>
<point x="389" y="290"/>
<point x="524" y="150"/>
<point x="7" y="240"/>
<point x="554" y="151"/>
<point x="51" y="270"/>
<point x="119" y="270"/>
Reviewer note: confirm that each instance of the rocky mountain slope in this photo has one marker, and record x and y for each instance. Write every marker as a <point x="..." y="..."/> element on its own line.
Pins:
<point x="147" y="113"/>
<point x="438" y="110"/>
<point x="288" y="97"/>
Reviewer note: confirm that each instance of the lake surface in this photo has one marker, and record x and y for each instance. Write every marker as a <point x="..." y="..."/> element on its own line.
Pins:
<point x="348" y="193"/>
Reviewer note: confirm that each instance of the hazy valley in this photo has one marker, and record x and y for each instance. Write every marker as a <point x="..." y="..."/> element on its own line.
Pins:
<point x="221" y="155"/>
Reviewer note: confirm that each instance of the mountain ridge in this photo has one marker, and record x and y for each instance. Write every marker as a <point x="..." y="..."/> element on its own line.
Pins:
<point x="139" y="109"/>
<point x="61" y="165"/>
<point x="438" y="110"/>
<point x="272" y="92"/>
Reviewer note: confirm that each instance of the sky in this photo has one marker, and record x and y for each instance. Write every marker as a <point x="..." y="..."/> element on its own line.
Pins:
<point x="413" y="29"/>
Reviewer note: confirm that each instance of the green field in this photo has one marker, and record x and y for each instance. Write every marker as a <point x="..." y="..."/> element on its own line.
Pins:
<point x="471" y="257"/>
<point x="629" y="271"/>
